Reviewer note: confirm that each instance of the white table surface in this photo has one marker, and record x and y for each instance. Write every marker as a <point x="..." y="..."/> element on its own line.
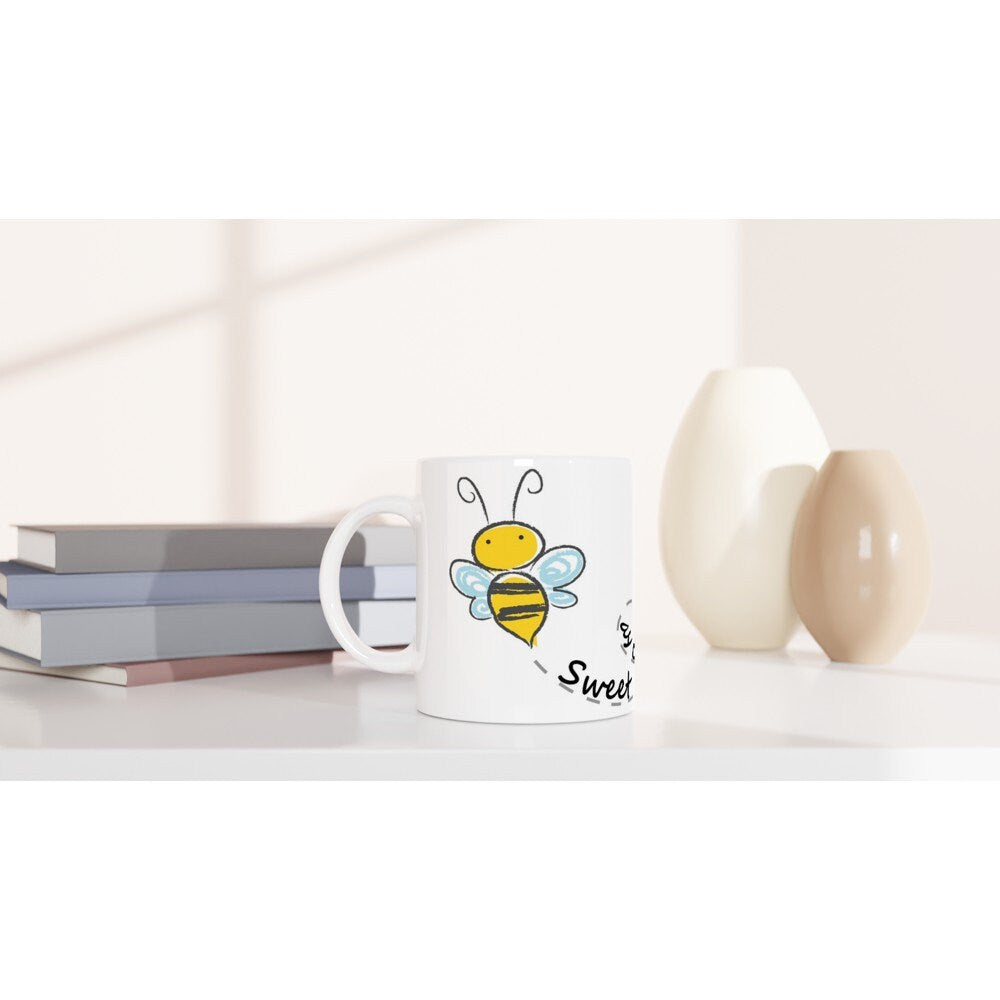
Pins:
<point x="699" y="713"/>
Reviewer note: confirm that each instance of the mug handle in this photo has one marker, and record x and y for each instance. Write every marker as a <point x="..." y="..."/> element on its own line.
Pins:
<point x="399" y="662"/>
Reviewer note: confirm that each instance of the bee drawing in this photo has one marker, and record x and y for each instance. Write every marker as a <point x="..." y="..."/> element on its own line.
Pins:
<point x="513" y="579"/>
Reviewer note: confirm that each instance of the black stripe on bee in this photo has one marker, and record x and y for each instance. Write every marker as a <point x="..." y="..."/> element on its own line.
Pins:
<point x="515" y="588"/>
<point x="517" y="611"/>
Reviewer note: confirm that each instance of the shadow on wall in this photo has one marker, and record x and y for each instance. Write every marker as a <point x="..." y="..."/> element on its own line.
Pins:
<point x="241" y="291"/>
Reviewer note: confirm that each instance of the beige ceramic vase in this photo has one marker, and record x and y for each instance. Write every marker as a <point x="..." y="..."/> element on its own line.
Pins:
<point x="743" y="458"/>
<point x="861" y="558"/>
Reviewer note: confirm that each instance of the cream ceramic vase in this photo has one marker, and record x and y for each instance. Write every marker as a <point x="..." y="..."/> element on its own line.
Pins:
<point x="744" y="456"/>
<point x="861" y="558"/>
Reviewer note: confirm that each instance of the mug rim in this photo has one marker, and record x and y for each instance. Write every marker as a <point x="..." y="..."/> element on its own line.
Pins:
<point x="527" y="459"/>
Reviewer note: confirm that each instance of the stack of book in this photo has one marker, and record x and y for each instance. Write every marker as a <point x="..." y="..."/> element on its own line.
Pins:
<point x="139" y="604"/>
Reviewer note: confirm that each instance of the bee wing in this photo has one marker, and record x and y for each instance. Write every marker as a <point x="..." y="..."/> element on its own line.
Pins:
<point x="561" y="598"/>
<point x="559" y="567"/>
<point x="480" y="609"/>
<point x="472" y="581"/>
<point x="469" y="579"/>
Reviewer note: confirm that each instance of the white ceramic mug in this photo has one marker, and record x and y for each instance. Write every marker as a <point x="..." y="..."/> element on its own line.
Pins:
<point x="524" y="588"/>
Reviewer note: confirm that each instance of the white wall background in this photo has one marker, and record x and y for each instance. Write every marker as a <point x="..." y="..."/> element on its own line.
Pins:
<point x="250" y="371"/>
<point x="284" y="371"/>
<point x="893" y="329"/>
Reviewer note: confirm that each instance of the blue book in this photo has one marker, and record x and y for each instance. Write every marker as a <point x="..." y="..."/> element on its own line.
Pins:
<point x="26" y="588"/>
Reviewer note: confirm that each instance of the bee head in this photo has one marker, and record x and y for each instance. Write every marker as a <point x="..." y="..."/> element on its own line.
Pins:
<point x="507" y="545"/>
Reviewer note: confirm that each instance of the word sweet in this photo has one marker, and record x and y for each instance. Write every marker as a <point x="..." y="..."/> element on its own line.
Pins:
<point x="612" y="690"/>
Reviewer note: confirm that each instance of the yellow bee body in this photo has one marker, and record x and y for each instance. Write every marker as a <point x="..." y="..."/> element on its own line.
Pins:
<point x="519" y="605"/>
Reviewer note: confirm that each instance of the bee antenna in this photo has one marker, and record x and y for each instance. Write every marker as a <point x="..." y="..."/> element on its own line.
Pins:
<point x="476" y="495"/>
<point x="517" y="492"/>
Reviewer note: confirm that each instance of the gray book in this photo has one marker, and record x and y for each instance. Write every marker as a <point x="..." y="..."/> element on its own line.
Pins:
<point x="23" y="586"/>
<point x="112" y="548"/>
<point x="79" y="636"/>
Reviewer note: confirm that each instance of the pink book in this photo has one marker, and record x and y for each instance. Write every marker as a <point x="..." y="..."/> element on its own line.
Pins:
<point x="161" y="671"/>
<point x="341" y="658"/>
